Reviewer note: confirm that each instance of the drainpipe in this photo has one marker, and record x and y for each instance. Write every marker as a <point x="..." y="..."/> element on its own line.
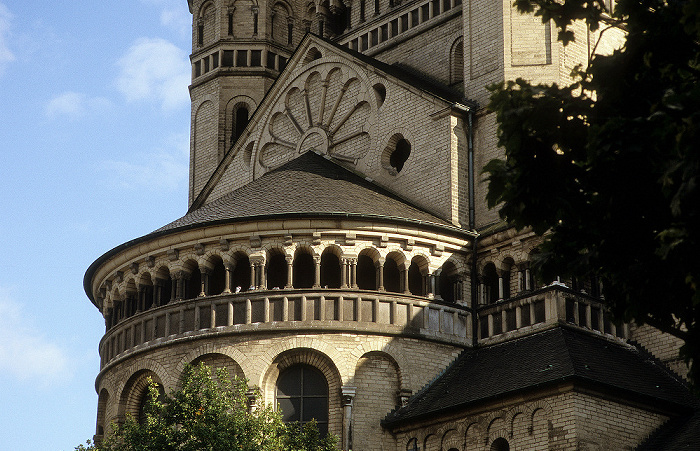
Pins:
<point x="469" y="110"/>
<point x="472" y="225"/>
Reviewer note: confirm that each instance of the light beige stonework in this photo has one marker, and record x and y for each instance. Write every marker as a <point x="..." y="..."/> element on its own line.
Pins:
<point x="178" y="297"/>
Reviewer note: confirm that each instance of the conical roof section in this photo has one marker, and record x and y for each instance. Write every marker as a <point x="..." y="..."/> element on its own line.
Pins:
<point x="309" y="185"/>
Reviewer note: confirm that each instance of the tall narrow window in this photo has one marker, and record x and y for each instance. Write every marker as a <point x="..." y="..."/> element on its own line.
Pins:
<point x="376" y="7"/>
<point x="200" y="33"/>
<point x="230" y="23"/>
<point x="362" y="10"/>
<point x="290" y="30"/>
<point x="255" y="21"/>
<point x="302" y="395"/>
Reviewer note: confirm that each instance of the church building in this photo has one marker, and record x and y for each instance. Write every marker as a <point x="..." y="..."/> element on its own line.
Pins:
<point x="338" y="252"/>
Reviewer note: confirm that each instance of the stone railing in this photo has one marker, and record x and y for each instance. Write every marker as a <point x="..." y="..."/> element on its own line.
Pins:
<point x="355" y="311"/>
<point x="247" y="55"/>
<point x="375" y="34"/>
<point x="541" y="308"/>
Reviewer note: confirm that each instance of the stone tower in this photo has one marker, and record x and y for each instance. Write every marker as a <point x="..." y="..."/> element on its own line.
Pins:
<point x="239" y="48"/>
<point x="337" y="232"/>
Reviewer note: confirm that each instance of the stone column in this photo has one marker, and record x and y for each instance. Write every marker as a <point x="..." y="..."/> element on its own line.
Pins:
<point x="353" y="273"/>
<point x="348" y="394"/>
<point x="290" y="272"/>
<point x="263" y="275"/>
<point x="203" y="283"/>
<point x="500" y="286"/>
<point x="229" y="276"/>
<point x="406" y="290"/>
<point x="344" y="273"/>
<point x="528" y="279"/>
<point x="317" y="272"/>
<point x="380" y="266"/>
<point x="252" y="276"/>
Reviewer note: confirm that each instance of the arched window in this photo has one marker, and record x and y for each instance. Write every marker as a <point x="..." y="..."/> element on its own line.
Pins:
<point x="330" y="270"/>
<point x="241" y="273"/>
<point x="240" y="120"/>
<point x="366" y="273"/>
<point x="457" y="65"/>
<point x="500" y="444"/>
<point x="450" y="286"/>
<point x="276" y="270"/>
<point x="217" y="278"/>
<point x="164" y="284"/>
<point x="304" y="270"/>
<point x="490" y="279"/>
<point x="302" y="395"/>
<point x="392" y="276"/>
<point x="415" y="280"/>
<point x="193" y="286"/>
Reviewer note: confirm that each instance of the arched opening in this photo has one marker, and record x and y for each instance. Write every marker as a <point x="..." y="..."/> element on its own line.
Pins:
<point x="490" y="281"/>
<point x="240" y="278"/>
<point x="217" y="277"/>
<point x="500" y="444"/>
<point x="457" y="66"/>
<point x="164" y="286"/>
<point x="450" y="287"/>
<point x="330" y="269"/>
<point x="366" y="273"/>
<point x="193" y="282"/>
<point x="102" y="401"/>
<point x="417" y="276"/>
<point x="276" y="270"/>
<point x="131" y="299"/>
<point x="302" y="395"/>
<point x="507" y="276"/>
<point x="217" y="362"/>
<point x="135" y="394"/>
<point x="240" y="121"/>
<point x="304" y="272"/>
<point x="145" y="292"/>
<point x="392" y="275"/>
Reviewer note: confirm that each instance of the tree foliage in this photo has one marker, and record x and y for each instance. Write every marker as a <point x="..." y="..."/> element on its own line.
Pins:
<point x="209" y="413"/>
<point x="606" y="169"/>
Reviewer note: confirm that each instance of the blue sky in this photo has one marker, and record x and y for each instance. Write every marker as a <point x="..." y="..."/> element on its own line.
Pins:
<point x="94" y="145"/>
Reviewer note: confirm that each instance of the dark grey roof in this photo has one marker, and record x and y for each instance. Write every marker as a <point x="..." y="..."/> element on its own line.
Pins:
<point x="309" y="185"/>
<point x="682" y="433"/>
<point x="545" y="358"/>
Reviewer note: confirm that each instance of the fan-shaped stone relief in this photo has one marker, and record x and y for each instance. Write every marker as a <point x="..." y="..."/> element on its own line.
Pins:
<point x="327" y="113"/>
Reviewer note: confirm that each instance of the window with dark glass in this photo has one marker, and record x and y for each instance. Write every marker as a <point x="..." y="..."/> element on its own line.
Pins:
<point x="302" y="395"/>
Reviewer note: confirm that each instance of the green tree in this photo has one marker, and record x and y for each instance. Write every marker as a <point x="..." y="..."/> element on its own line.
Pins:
<point x="209" y="413"/>
<point x="606" y="169"/>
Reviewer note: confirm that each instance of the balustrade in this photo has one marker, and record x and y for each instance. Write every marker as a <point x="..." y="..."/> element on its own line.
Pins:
<point x="549" y="305"/>
<point x="338" y="310"/>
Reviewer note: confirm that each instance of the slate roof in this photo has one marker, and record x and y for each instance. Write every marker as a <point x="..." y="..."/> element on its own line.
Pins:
<point x="309" y="185"/>
<point x="546" y="358"/>
<point x="682" y="433"/>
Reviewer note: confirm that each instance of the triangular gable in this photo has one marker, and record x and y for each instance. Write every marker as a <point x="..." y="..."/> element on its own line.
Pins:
<point x="355" y="110"/>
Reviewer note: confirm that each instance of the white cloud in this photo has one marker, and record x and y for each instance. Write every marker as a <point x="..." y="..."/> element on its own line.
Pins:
<point x="163" y="170"/>
<point x="74" y="105"/>
<point x="174" y="15"/>
<point x="25" y="353"/>
<point x="154" y="69"/>
<point x="6" y="55"/>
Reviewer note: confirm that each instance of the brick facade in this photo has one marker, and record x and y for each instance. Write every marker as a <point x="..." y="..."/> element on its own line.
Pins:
<point x="381" y="302"/>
